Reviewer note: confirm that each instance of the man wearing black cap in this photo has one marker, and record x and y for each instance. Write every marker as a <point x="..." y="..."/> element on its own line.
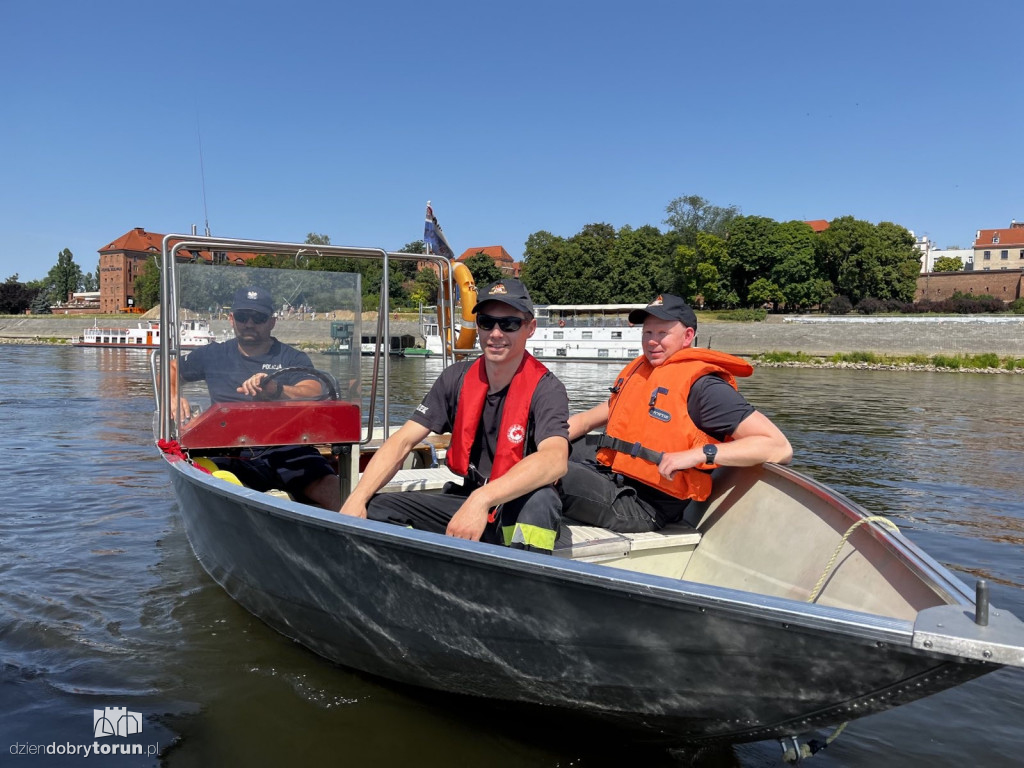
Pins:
<point x="508" y="418"/>
<point x="250" y="358"/>
<point x="674" y="414"/>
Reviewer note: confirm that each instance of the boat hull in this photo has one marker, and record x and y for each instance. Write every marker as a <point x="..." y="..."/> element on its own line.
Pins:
<point x="670" y="661"/>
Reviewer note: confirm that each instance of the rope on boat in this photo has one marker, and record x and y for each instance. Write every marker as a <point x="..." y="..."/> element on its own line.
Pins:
<point x="797" y="752"/>
<point x="842" y="543"/>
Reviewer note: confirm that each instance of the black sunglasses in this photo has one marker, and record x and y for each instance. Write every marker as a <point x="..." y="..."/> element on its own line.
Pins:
<point x="507" y="324"/>
<point x="245" y="316"/>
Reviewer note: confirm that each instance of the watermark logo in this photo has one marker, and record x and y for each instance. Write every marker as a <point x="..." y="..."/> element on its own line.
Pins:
<point x="115" y="721"/>
<point x="110" y="721"/>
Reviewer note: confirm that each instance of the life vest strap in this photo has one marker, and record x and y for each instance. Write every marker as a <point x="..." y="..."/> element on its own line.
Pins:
<point x="636" y="450"/>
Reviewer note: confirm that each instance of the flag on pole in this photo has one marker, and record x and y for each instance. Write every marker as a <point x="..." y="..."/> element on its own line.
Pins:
<point x="434" y="237"/>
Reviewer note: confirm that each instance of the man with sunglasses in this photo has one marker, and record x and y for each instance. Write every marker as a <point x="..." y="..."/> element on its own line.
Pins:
<point x="508" y="418"/>
<point x="674" y="414"/>
<point x="237" y="370"/>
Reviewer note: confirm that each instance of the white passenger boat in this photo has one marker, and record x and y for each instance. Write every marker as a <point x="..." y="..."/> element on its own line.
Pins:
<point x="193" y="333"/>
<point x="586" y="333"/>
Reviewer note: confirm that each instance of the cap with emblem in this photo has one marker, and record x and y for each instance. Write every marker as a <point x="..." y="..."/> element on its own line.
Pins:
<point x="253" y="298"/>
<point x="510" y="291"/>
<point x="666" y="307"/>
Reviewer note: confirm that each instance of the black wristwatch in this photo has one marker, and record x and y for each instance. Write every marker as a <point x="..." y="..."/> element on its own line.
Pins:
<point x="710" y="451"/>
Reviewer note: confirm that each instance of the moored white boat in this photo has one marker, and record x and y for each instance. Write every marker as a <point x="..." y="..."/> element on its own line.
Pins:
<point x="586" y="333"/>
<point x="192" y="334"/>
<point x="777" y="608"/>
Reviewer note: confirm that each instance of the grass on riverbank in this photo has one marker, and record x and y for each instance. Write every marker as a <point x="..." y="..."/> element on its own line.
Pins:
<point x="982" y="361"/>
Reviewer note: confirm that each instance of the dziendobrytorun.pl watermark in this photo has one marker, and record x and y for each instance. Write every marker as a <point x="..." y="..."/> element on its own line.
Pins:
<point x="108" y="722"/>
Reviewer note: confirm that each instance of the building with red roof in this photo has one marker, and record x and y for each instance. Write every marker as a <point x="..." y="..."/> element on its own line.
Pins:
<point x="122" y="261"/>
<point x="501" y="258"/>
<point x="999" y="248"/>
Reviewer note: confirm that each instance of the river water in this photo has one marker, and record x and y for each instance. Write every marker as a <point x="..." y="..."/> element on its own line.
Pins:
<point x="102" y="603"/>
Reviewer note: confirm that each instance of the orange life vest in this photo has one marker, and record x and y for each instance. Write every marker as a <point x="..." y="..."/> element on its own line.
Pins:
<point x="647" y="410"/>
<point x="514" y="416"/>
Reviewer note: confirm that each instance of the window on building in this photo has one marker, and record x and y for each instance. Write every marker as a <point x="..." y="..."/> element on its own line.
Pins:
<point x="988" y="254"/>
<point x="995" y="238"/>
<point x="1004" y="254"/>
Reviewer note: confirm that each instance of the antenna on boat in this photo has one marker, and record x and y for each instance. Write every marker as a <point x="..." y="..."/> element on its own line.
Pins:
<point x="202" y="176"/>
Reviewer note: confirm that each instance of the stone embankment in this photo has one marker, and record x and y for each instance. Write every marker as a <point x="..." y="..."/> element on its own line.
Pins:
<point x="893" y="337"/>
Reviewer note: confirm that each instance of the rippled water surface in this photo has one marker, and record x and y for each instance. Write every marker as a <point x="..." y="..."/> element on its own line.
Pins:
<point x="103" y="605"/>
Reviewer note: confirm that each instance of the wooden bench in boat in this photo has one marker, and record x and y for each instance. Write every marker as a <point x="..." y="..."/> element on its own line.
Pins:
<point x="665" y="552"/>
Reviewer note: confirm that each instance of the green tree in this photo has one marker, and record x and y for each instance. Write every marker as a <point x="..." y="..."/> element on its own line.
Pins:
<point x="580" y="273"/>
<point x="15" y="297"/>
<point x="63" y="279"/>
<point x="754" y="250"/>
<point x="541" y="256"/>
<point x="425" y="287"/>
<point x="698" y="275"/>
<point x="147" y="284"/>
<point x="91" y="280"/>
<point x="483" y="269"/>
<point x="948" y="264"/>
<point x="639" y="266"/>
<point x="416" y="246"/>
<point x="796" y="271"/>
<point x="692" y="214"/>
<point x="40" y="305"/>
<point x="862" y="260"/>
<point x="763" y="291"/>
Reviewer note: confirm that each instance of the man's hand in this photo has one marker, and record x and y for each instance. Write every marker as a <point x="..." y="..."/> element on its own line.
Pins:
<point x="470" y="521"/>
<point x="353" y="507"/>
<point x="673" y="462"/>
<point x="253" y="387"/>
<point x="181" y="410"/>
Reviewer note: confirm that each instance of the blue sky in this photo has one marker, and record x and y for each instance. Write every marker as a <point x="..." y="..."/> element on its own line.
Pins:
<point x="346" y="118"/>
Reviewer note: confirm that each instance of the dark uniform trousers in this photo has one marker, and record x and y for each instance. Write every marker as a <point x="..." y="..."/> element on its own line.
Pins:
<point x="529" y="522"/>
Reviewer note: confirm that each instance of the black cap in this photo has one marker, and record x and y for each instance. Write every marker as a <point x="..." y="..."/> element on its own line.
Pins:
<point x="253" y="298"/>
<point x="666" y="307"/>
<point x="510" y="291"/>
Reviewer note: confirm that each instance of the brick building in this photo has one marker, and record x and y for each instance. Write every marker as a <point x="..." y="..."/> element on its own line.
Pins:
<point x="122" y="261"/>
<point x="501" y="258"/>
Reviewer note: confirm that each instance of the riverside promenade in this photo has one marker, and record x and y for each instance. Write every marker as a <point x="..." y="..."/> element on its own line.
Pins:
<point x="1003" y="336"/>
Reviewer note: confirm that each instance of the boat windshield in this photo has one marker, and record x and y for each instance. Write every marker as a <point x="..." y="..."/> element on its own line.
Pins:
<point x="315" y="316"/>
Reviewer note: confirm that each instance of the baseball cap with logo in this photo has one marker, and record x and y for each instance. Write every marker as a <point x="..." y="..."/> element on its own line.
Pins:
<point x="510" y="291"/>
<point x="254" y="298"/>
<point x="666" y="307"/>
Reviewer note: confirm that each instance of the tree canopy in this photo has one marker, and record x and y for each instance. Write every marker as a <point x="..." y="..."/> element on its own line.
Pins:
<point x="716" y="258"/>
<point x="948" y="264"/>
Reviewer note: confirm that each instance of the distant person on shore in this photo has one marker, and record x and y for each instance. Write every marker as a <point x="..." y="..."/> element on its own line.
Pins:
<point x="507" y="414"/>
<point x="236" y="371"/>
<point x="673" y="416"/>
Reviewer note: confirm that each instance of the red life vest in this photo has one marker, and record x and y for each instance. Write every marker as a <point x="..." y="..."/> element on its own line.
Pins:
<point x="514" y="416"/>
<point x="648" y="406"/>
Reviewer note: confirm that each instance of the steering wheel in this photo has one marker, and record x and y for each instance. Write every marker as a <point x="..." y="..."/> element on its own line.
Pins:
<point x="327" y="379"/>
